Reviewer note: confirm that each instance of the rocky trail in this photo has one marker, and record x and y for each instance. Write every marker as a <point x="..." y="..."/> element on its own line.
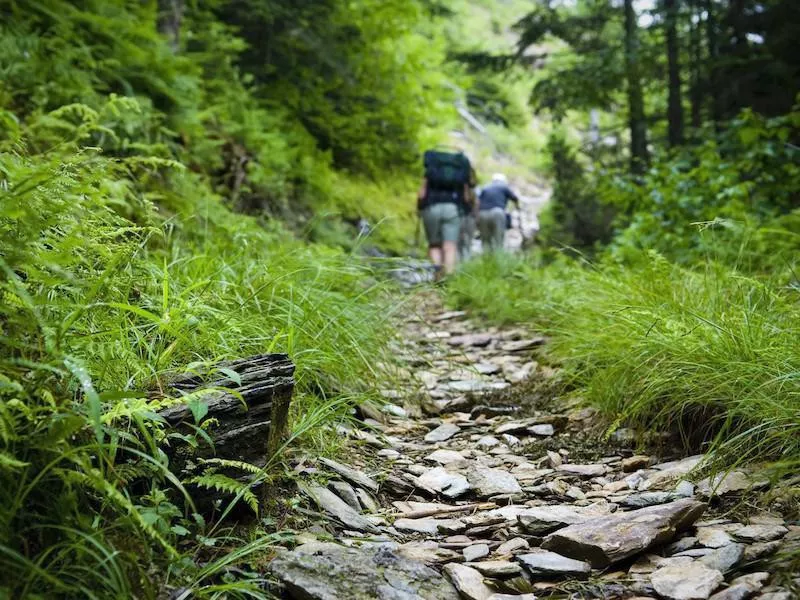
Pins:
<point x="475" y="483"/>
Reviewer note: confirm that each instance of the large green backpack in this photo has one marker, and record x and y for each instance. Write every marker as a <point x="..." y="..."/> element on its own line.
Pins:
<point x="446" y="170"/>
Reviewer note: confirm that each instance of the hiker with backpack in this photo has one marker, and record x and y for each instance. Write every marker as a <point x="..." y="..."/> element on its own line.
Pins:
<point x="442" y="201"/>
<point x="492" y="218"/>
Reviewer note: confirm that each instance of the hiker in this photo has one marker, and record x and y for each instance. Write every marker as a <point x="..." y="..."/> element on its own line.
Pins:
<point x="469" y="220"/>
<point x="443" y="199"/>
<point x="492" y="219"/>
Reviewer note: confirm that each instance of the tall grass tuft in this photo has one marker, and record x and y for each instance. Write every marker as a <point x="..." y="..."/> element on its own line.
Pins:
<point x="707" y="352"/>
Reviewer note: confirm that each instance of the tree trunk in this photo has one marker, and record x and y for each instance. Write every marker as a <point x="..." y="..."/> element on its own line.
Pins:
<point x="712" y="78"/>
<point x="637" y="121"/>
<point x="675" y="102"/>
<point x="245" y="414"/>
<point x="695" y="52"/>
<point x="170" y="16"/>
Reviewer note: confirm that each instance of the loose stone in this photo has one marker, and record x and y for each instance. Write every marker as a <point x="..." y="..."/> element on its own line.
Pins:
<point x="346" y="492"/>
<point x="468" y="582"/>
<point x="335" y="506"/>
<point x="606" y="540"/>
<point x="351" y="475"/>
<point x="443" y="432"/>
<point x="448" y="484"/>
<point x="496" y="568"/>
<point x="492" y="482"/>
<point x="474" y="552"/>
<point x="542" y="562"/>
<point x="322" y="571"/>
<point x="725" y="558"/>
<point x="584" y="470"/>
<point x="542" y="430"/>
<point x="760" y="533"/>
<point x="686" y="582"/>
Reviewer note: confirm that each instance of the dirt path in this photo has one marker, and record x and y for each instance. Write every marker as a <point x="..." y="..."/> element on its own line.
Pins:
<point x="475" y="483"/>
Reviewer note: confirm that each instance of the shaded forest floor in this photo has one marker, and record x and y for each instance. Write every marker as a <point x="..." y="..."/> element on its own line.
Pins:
<point x="480" y="480"/>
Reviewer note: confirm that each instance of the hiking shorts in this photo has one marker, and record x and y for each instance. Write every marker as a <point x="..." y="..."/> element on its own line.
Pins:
<point x="442" y="223"/>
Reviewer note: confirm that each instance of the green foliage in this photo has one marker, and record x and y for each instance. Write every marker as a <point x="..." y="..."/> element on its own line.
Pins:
<point x="707" y="351"/>
<point x="575" y="217"/>
<point x="741" y="183"/>
<point x="104" y="294"/>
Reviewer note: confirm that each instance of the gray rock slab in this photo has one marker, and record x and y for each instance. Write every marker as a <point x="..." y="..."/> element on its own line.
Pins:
<point x="539" y="520"/>
<point x="428" y="526"/>
<point x="522" y="345"/>
<point x="327" y="571"/>
<point x="444" y="482"/>
<point x="445" y="457"/>
<point x="336" y="507"/>
<point x="726" y="483"/>
<point x="543" y="430"/>
<point x="513" y="545"/>
<point x="496" y="568"/>
<point x="606" y="540"/>
<point x="734" y="592"/>
<point x="713" y="537"/>
<point x="584" y="470"/>
<point x="542" y="562"/>
<point x="350" y="474"/>
<point x="346" y="492"/>
<point x="493" y="482"/>
<point x="643" y="499"/>
<point x="760" y="533"/>
<point x="468" y="582"/>
<point x="429" y="552"/>
<point x="475" y="552"/>
<point x="725" y="558"/>
<point x="512" y="597"/>
<point x="686" y="582"/>
<point x="443" y="432"/>
<point x="477" y="340"/>
<point x="367" y="502"/>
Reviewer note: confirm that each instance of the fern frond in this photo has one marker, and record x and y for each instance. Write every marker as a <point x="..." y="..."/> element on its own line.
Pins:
<point x="232" y="464"/>
<point x="228" y="485"/>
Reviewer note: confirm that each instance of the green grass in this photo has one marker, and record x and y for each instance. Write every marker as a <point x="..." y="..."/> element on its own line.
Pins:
<point x="708" y="352"/>
<point x="104" y="295"/>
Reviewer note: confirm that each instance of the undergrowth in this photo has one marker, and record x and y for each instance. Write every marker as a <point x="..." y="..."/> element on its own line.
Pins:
<point x="709" y="352"/>
<point x="104" y="295"/>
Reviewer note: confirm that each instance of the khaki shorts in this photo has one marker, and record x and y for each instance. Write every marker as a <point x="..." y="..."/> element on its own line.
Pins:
<point x="442" y="223"/>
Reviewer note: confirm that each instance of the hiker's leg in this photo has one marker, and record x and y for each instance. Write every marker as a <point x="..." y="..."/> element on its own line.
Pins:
<point x="500" y="229"/>
<point x="465" y="239"/>
<point x="485" y="229"/>
<point x="450" y="256"/>
<point x="435" y="254"/>
<point x="495" y="229"/>
<point x="451" y="232"/>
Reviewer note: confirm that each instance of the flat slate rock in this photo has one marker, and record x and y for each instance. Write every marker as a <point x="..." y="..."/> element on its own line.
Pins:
<point x="327" y="571"/>
<point x="444" y="482"/>
<point x="493" y="482"/>
<point x="336" y="507"/>
<point x="723" y="559"/>
<point x="350" y="474"/>
<point x="543" y="562"/>
<point x="693" y="581"/>
<point x="539" y="520"/>
<point x="477" y="340"/>
<point x="607" y="540"/>
<point x="443" y="432"/>
<point x="522" y="345"/>
<point x="468" y="582"/>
